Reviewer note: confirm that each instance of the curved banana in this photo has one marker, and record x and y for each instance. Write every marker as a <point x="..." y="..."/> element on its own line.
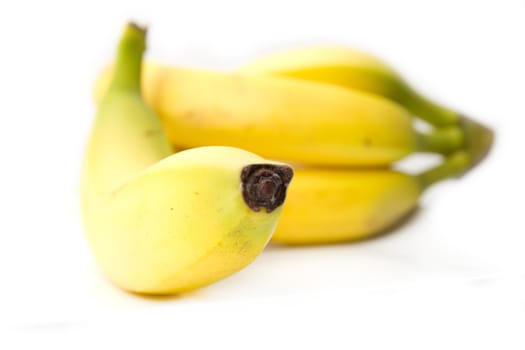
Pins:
<point x="159" y="223"/>
<point x="282" y="118"/>
<point x="340" y="205"/>
<point x="354" y="69"/>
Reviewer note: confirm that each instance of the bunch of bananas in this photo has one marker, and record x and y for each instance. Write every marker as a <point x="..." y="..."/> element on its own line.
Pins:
<point x="160" y="222"/>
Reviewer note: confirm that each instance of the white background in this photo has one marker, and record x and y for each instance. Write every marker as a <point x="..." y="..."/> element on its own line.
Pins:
<point x="453" y="277"/>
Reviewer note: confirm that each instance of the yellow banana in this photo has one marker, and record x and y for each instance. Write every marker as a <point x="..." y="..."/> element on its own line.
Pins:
<point x="159" y="222"/>
<point x="332" y="205"/>
<point x="337" y="205"/>
<point x="282" y="118"/>
<point x="354" y="69"/>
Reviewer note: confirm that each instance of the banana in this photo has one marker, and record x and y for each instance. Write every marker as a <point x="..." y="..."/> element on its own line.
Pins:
<point x="342" y="205"/>
<point x="281" y="118"/>
<point x="359" y="70"/>
<point x="162" y="223"/>
<point x="353" y="69"/>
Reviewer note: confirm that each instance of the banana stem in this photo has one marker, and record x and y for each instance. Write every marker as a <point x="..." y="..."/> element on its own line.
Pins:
<point x="467" y="145"/>
<point x="442" y="140"/>
<point x="129" y="59"/>
<point x="478" y="140"/>
<point x="425" y="108"/>
<point x="454" y="165"/>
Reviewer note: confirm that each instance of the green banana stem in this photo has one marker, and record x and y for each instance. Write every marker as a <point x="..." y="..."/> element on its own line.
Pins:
<point x="453" y="165"/>
<point x="124" y="124"/>
<point x="442" y="140"/>
<point x="478" y="140"/>
<point x="465" y="145"/>
<point x="427" y="109"/>
<point x="472" y="137"/>
<point x="129" y="59"/>
<point x="421" y="106"/>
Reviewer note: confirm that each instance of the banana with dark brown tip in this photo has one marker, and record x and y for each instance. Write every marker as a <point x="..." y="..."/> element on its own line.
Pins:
<point x="159" y="222"/>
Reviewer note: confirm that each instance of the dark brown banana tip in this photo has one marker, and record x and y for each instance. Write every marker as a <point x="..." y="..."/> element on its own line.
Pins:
<point x="138" y="27"/>
<point x="265" y="185"/>
<point x="479" y="139"/>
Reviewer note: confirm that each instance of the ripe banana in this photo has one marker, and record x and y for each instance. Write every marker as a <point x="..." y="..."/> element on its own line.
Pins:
<point x="281" y="118"/>
<point x="340" y="205"/>
<point x="159" y="222"/>
<point x="354" y="69"/>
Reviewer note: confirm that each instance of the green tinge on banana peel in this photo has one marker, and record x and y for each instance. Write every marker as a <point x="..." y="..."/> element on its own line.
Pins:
<point x="359" y="70"/>
<point x="164" y="223"/>
<point x="354" y="69"/>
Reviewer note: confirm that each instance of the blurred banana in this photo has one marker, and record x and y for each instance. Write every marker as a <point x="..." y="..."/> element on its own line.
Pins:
<point x="281" y="118"/>
<point x="354" y="69"/>
<point x="340" y="205"/>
